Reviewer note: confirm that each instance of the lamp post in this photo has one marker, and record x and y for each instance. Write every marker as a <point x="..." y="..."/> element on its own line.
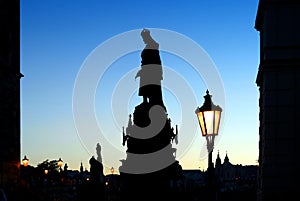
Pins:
<point x="209" y="116"/>
<point x="25" y="172"/>
<point x="60" y="163"/>
<point x="112" y="170"/>
<point x="25" y="161"/>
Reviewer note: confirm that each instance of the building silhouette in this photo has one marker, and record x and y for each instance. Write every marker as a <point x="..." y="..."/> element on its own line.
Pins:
<point x="230" y="177"/>
<point x="278" y="79"/>
<point x="10" y="92"/>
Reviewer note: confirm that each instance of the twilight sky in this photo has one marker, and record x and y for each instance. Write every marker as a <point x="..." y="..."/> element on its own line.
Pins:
<point x="90" y="51"/>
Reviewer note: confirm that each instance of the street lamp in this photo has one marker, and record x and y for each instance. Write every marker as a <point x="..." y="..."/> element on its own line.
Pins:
<point x="25" y="161"/>
<point x="112" y="170"/>
<point x="209" y="116"/>
<point x="59" y="163"/>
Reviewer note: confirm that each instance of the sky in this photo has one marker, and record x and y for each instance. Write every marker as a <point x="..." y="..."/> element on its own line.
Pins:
<point x="77" y="51"/>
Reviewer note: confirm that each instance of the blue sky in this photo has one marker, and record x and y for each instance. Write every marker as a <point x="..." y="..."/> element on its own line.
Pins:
<point x="58" y="36"/>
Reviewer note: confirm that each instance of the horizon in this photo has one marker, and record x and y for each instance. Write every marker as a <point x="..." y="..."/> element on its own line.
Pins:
<point x="107" y="170"/>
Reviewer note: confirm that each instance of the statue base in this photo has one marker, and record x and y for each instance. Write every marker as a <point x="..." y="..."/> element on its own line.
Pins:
<point x="153" y="185"/>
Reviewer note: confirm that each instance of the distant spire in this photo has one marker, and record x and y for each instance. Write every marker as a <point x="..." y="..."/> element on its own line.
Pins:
<point x="226" y="160"/>
<point x="218" y="160"/>
<point x="81" y="167"/>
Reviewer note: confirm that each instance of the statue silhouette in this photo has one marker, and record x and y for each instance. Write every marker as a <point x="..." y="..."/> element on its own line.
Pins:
<point x="96" y="171"/>
<point x="98" y="151"/>
<point x="95" y="187"/>
<point x="150" y="165"/>
<point x="150" y="73"/>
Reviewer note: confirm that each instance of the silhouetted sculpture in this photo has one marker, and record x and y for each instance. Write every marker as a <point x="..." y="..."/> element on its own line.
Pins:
<point x="94" y="188"/>
<point x="151" y="71"/>
<point x="98" y="151"/>
<point x="157" y="132"/>
<point x="96" y="169"/>
<point x="150" y="166"/>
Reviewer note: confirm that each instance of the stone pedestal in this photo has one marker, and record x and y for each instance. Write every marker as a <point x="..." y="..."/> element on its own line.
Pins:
<point x="150" y="159"/>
